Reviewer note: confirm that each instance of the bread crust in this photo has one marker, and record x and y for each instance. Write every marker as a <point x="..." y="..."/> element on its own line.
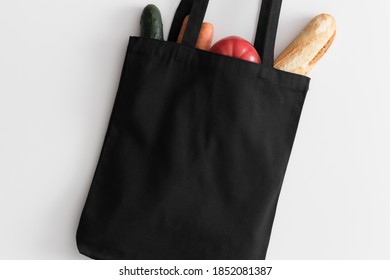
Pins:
<point x="309" y="46"/>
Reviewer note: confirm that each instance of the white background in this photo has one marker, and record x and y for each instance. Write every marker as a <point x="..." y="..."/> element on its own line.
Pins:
<point x="60" y="64"/>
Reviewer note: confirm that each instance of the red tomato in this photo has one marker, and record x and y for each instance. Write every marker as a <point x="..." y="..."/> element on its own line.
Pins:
<point x="237" y="47"/>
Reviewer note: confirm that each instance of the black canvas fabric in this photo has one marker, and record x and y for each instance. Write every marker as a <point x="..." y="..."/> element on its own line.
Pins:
<point x="196" y="149"/>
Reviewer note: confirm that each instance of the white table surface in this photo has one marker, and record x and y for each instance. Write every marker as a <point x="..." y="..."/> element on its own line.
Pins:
<point x="60" y="64"/>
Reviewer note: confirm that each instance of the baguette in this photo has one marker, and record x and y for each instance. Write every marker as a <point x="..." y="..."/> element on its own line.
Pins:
<point x="309" y="46"/>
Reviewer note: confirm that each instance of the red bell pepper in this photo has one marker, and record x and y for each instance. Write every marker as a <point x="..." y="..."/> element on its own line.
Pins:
<point x="237" y="47"/>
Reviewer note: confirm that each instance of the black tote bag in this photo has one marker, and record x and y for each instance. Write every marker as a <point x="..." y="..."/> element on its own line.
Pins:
<point x="196" y="149"/>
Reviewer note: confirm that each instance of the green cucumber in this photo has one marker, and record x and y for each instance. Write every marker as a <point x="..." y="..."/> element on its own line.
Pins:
<point x="151" y="23"/>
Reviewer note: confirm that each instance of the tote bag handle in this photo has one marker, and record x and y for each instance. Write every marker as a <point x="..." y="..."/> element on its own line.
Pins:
<point x="265" y="34"/>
